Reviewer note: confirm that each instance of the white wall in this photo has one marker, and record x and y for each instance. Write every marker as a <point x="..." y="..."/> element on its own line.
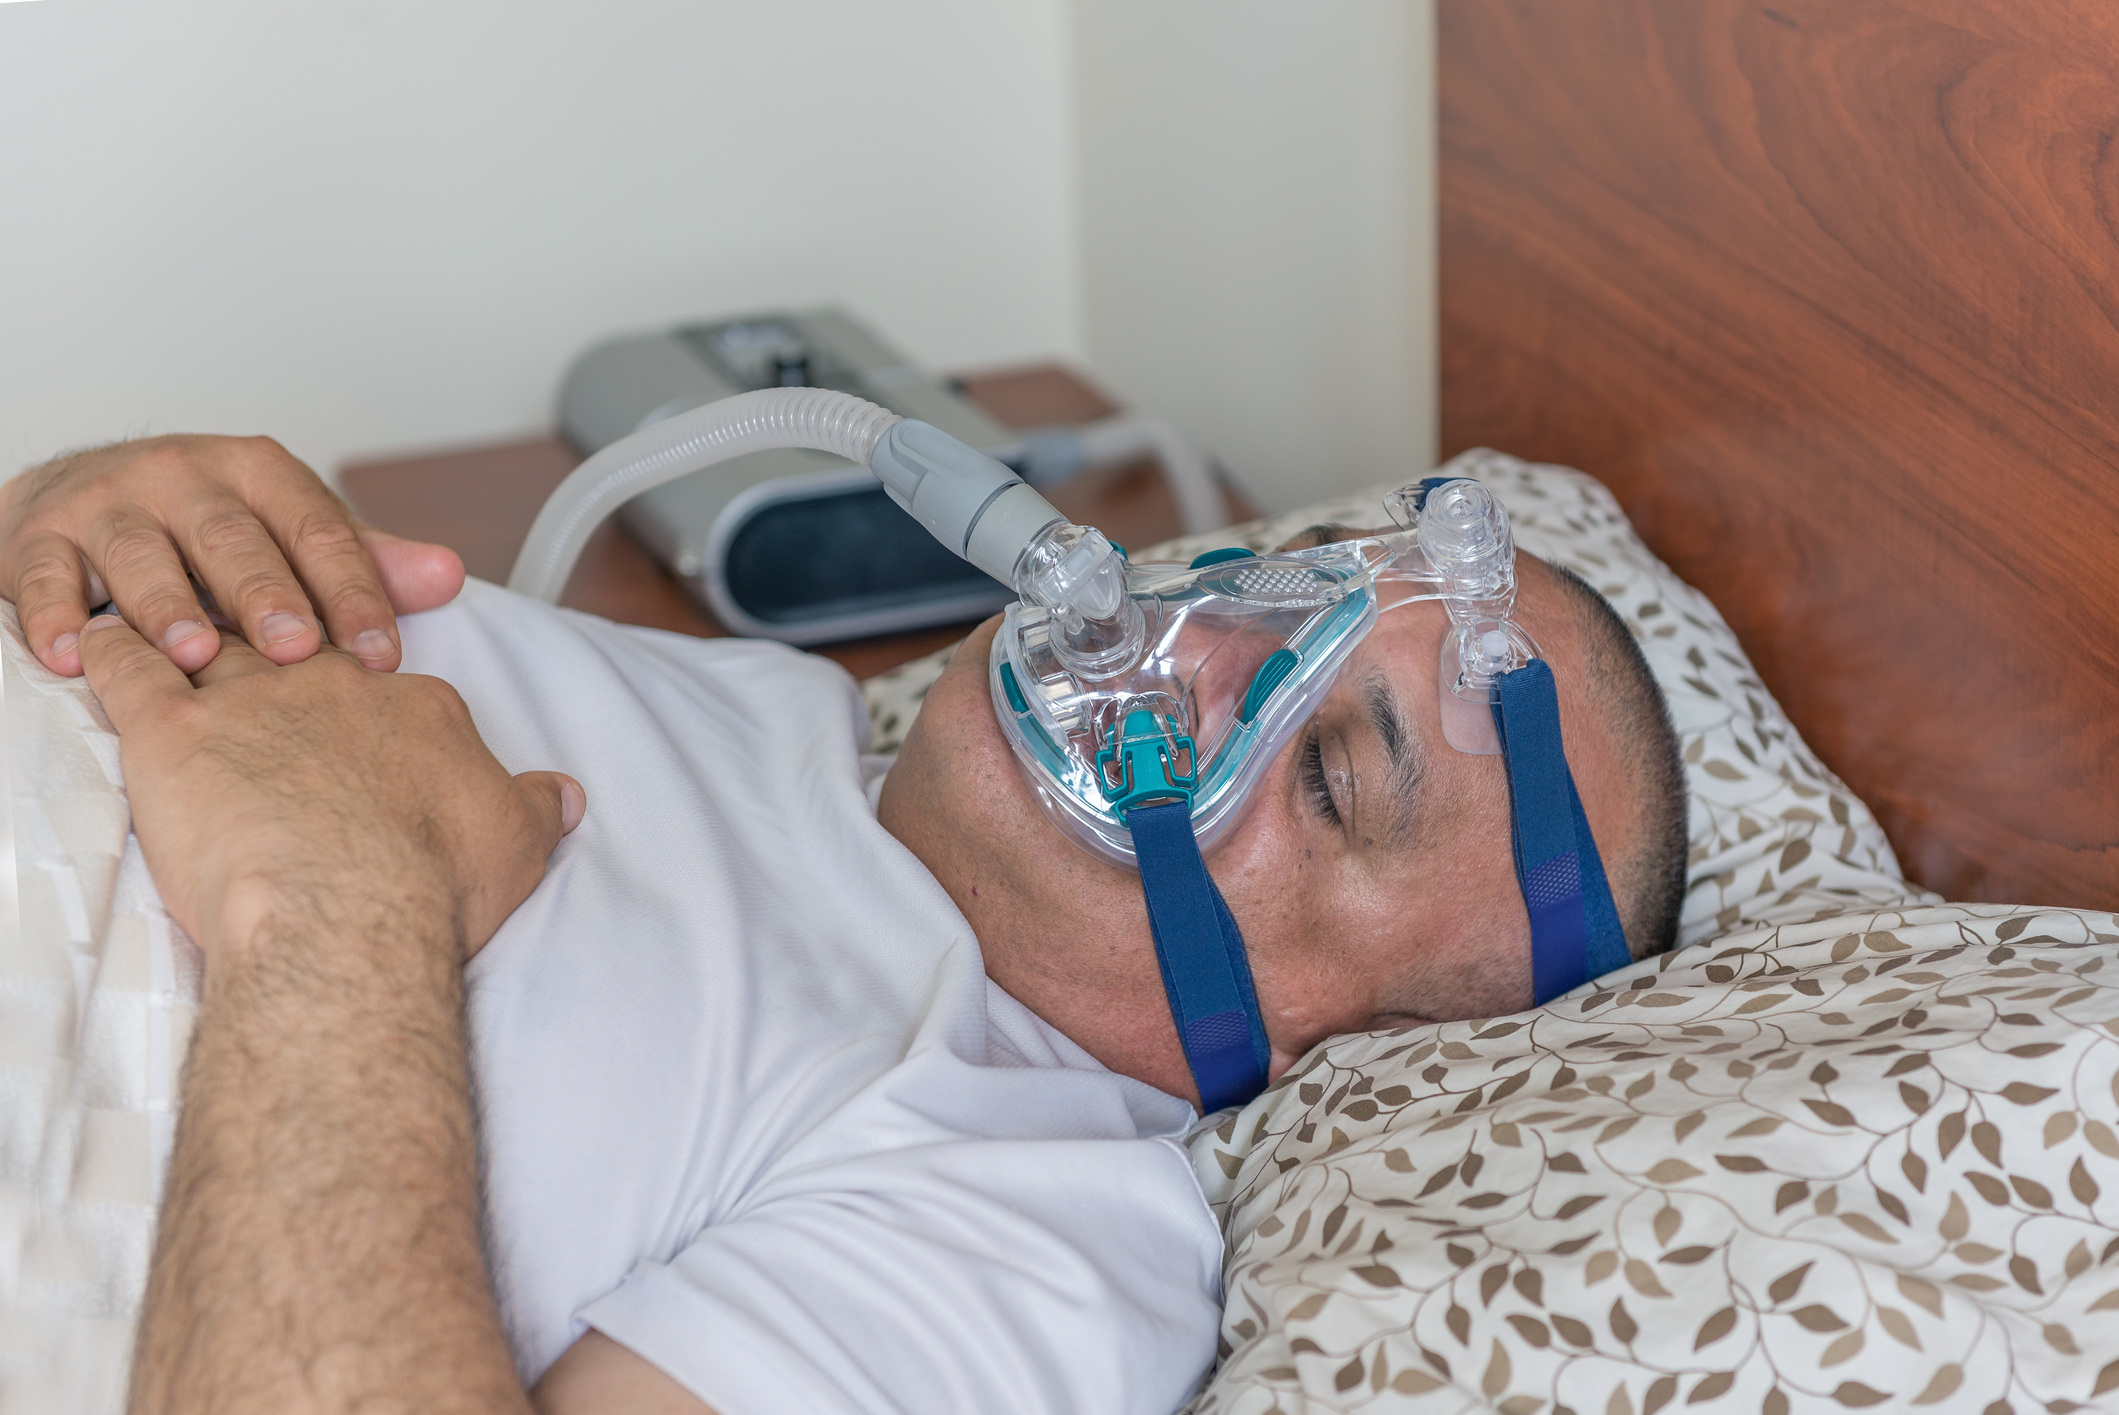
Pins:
<point x="1256" y="216"/>
<point x="386" y="223"/>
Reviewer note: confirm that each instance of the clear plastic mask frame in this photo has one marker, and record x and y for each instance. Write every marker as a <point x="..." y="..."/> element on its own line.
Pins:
<point x="1239" y="651"/>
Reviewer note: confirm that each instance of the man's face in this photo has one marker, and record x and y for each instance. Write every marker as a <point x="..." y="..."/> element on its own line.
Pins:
<point x="1371" y="875"/>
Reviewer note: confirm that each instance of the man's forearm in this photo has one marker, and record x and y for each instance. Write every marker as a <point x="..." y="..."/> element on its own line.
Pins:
<point x="319" y="1244"/>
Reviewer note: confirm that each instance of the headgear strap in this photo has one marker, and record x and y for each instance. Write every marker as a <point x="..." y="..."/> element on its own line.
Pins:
<point x="1206" y="974"/>
<point x="1575" y="934"/>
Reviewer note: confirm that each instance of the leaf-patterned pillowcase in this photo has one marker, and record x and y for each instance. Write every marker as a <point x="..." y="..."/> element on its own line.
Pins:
<point x="1863" y="1162"/>
<point x="1775" y="836"/>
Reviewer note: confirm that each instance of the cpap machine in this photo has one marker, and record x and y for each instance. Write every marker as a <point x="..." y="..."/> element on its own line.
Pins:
<point x="1145" y="703"/>
<point x="738" y="533"/>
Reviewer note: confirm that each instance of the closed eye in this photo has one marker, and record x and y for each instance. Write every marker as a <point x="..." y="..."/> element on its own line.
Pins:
<point x="1315" y="785"/>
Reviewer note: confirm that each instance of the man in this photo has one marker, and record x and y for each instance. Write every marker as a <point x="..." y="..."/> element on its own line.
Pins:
<point x="758" y="1131"/>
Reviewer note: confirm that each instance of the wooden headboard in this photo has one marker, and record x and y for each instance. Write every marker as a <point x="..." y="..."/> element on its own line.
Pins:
<point x="1827" y="291"/>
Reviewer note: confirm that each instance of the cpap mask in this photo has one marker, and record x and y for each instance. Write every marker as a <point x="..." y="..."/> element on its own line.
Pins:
<point x="1213" y="667"/>
<point x="1145" y="703"/>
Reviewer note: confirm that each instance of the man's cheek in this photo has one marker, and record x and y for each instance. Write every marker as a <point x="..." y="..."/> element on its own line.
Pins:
<point x="959" y="695"/>
<point x="956" y="786"/>
<point x="1268" y="848"/>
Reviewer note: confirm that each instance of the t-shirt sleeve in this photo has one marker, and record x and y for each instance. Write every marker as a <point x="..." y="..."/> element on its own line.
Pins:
<point x="1056" y="1275"/>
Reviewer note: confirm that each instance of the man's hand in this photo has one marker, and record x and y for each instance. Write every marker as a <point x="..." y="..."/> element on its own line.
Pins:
<point x="337" y="841"/>
<point x="257" y="788"/>
<point x="258" y="529"/>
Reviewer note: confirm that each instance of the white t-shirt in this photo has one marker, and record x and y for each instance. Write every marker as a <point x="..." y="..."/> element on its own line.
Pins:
<point x="750" y="1105"/>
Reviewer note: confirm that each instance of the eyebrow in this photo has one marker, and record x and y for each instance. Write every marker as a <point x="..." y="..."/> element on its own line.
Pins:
<point x="1408" y="765"/>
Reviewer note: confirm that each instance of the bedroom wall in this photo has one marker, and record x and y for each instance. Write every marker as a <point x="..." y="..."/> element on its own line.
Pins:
<point x="384" y="223"/>
<point x="1257" y="229"/>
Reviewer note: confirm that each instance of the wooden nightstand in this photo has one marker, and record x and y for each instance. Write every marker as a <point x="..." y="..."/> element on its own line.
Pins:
<point x="480" y="501"/>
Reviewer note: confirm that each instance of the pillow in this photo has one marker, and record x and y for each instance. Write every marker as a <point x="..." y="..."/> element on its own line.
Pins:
<point x="1854" y="1153"/>
<point x="1865" y="1161"/>
<point x="1775" y="836"/>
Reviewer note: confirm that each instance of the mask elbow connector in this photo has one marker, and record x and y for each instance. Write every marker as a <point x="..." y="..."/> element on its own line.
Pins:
<point x="968" y="501"/>
<point x="975" y="505"/>
<point x="1079" y="576"/>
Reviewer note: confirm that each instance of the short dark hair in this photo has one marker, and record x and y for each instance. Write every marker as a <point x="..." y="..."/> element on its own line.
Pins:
<point x="1649" y="884"/>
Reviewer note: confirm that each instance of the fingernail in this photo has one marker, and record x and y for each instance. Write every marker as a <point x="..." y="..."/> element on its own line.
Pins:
<point x="572" y="806"/>
<point x="372" y="644"/>
<point x="102" y="621"/>
<point x="64" y="645"/>
<point x="178" y="632"/>
<point x="280" y="626"/>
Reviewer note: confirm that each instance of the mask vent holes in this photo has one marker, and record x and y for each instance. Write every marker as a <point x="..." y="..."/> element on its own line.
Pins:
<point x="1273" y="584"/>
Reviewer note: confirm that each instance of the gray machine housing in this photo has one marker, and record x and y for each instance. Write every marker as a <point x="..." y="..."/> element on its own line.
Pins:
<point x="793" y="545"/>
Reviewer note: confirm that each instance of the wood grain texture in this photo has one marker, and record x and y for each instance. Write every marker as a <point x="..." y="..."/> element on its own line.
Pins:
<point x="1828" y="293"/>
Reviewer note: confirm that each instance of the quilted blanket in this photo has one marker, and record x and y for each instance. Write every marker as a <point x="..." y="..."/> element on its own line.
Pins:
<point x="97" y="992"/>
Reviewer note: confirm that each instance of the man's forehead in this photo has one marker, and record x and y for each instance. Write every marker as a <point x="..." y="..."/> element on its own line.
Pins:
<point x="1403" y="652"/>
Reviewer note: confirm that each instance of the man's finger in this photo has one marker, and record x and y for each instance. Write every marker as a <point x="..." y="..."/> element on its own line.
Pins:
<point x="415" y="574"/>
<point x="555" y="805"/>
<point x="322" y="541"/>
<point x="135" y="681"/>
<point x="139" y="564"/>
<point x="558" y="801"/>
<point x="235" y="660"/>
<point x="317" y="536"/>
<point x="244" y="566"/>
<point x="47" y="585"/>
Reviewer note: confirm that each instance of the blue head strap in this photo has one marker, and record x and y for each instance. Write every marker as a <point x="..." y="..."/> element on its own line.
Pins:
<point x="1206" y="974"/>
<point x="1575" y="933"/>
